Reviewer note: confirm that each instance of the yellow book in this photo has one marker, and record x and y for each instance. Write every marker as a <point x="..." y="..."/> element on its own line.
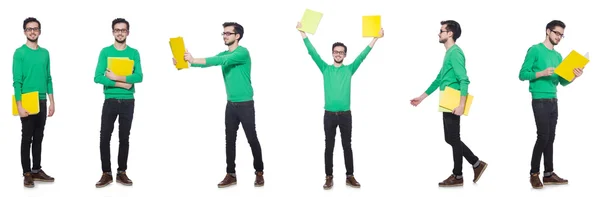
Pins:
<point x="310" y="21"/>
<point x="441" y="109"/>
<point x="120" y="66"/>
<point x="572" y="61"/>
<point x="371" y="26"/>
<point x="450" y="99"/>
<point x="30" y="102"/>
<point x="178" y="50"/>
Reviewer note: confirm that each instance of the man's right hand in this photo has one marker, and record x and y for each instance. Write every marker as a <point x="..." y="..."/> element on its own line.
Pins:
<point x="123" y="85"/>
<point x="174" y="62"/>
<point x="298" y="26"/>
<point x="546" y="72"/>
<point x="22" y="112"/>
<point x="416" y="101"/>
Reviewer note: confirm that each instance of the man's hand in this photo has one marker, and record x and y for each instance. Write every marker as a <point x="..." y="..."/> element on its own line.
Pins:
<point x="174" y="62"/>
<point x="22" y="112"/>
<point x="51" y="109"/>
<point x="123" y="85"/>
<point x="381" y="33"/>
<point x="578" y="72"/>
<point x="187" y="57"/>
<point x="459" y="110"/>
<point x="110" y="75"/>
<point x="416" y="101"/>
<point x="298" y="26"/>
<point x="546" y="72"/>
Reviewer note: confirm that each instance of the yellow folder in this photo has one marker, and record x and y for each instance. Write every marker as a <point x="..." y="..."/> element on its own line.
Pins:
<point x="310" y="21"/>
<point x="30" y="102"/>
<point x="371" y="26"/>
<point x="120" y="66"/>
<point x="178" y="50"/>
<point x="450" y="99"/>
<point x="572" y="61"/>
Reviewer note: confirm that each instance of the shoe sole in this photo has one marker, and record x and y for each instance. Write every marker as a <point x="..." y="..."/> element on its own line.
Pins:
<point x="327" y="188"/>
<point x="29" y="186"/>
<point x="483" y="170"/>
<point x="43" y="180"/>
<point x="454" y="185"/>
<point x="224" y="186"/>
<point x="126" y="184"/>
<point x="554" y="183"/>
<point x="101" y="186"/>
<point x="354" y="186"/>
<point x="538" y="187"/>
<point x="259" y="185"/>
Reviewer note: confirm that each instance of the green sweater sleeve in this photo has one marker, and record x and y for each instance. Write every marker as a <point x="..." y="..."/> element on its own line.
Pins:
<point x="204" y="65"/>
<point x="314" y="55"/>
<point x="238" y="56"/>
<point x="17" y="75"/>
<point x="457" y="60"/>
<point x="137" y="76"/>
<point x="49" y="80"/>
<point x="359" y="59"/>
<point x="100" y="78"/>
<point x="435" y="84"/>
<point x="527" y="72"/>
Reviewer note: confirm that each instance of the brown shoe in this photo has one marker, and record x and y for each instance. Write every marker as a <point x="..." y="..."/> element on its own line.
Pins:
<point x="351" y="181"/>
<point x="555" y="180"/>
<point x="479" y="171"/>
<point x="104" y="180"/>
<point x="123" y="179"/>
<point x="28" y="180"/>
<point x="451" y="181"/>
<point x="534" y="179"/>
<point x="42" y="176"/>
<point x="328" y="182"/>
<point x="229" y="180"/>
<point x="259" y="181"/>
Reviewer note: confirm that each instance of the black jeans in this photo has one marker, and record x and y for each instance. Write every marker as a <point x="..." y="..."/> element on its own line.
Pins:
<point x="113" y="108"/>
<point x="545" y="112"/>
<point x="459" y="149"/>
<point x="236" y="113"/>
<point x="331" y="120"/>
<point x="32" y="133"/>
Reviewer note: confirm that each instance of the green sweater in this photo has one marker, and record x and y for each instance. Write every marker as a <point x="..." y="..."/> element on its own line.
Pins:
<point x="538" y="58"/>
<point x="453" y="73"/>
<point x="31" y="72"/>
<point x="236" y="66"/>
<point x="110" y="90"/>
<point x="337" y="81"/>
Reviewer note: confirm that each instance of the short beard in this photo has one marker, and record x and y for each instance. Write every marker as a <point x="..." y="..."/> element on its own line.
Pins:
<point x="121" y="42"/>
<point x="34" y="41"/>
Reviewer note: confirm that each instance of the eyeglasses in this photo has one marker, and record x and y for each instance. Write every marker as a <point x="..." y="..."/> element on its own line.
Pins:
<point x="442" y="31"/>
<point x="29" y="29"/>
<point x="558" y="34"/>
<point x="228" y="33"/>
<point x="120" y="30"/>
<point x="339" y="52"/>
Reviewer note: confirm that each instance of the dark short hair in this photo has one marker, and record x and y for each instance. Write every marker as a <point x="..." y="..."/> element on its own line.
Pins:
<point x="555" y="23"/>
<point x="454" y="27"/>
<point x="237" y="28"/>
<point x="119" y="20"/>
<point x="339" y="44"/>
<point x="30" y="20"/>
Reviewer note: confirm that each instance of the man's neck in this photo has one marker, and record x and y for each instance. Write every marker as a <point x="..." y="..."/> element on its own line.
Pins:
<point x="548" y="44"/>
<point x="32" y="45"/>
<point x="448" y="44"/>
<point x="337" y="64"/>
<point x="120" y="46"/>
<point x="233" y="46"/>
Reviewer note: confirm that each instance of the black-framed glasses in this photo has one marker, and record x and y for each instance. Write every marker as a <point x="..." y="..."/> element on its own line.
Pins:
<point x="32" y="29"/>
<point x="339" y="52"/>
<point x="228" y="33"/>
<point x="442" y="31"/>
<point x="558" y="34"/>
<point x="120" y="30"/>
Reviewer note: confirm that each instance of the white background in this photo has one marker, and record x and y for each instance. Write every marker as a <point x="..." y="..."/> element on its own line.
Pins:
<point x="178" y="141"/>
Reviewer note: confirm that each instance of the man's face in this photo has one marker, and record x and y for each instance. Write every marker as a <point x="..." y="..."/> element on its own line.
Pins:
<point x="444" y="34"/>
<point x="120" y="32"/>
<point x="338" y="54"/>
<point x="229" y="35"/>
<point x="555" y="35"/>
<point x="32" y="31"/>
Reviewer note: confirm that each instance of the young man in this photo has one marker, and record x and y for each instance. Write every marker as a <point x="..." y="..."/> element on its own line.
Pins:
<point x="236" y="65"/>
<point x="454" y="74"/>
<point x="31" y="73"/>
<point x="119" y="101"/>
<point x="337" y="80"/>
<point x="538" y="69"/>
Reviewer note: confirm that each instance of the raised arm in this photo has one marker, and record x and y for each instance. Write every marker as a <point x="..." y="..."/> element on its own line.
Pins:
<point x="17" y="71"/>
<point x="363" y="55"/>
<point x="238" y="56"/>
<point x="311" y="49"/>
<point x="457" y="60"/>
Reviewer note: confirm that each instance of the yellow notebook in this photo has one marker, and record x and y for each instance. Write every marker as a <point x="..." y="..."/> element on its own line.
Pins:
<point x="178" y="50"/>
<point x="572" y="61"/>
<point x="30" y="101"/>
<point x="450" y="99"/>
<point x="120" y="66"/>
<point x="371" y="26"/>
<point x="310" y="21"/>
